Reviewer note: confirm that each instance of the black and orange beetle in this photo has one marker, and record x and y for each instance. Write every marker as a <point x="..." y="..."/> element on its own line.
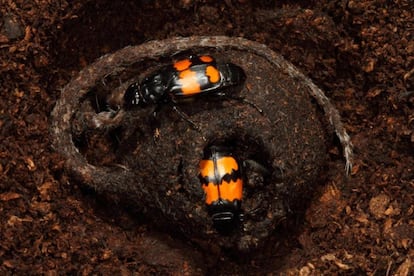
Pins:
<point x="186" y="77"/>
<point x="221" y="179"/>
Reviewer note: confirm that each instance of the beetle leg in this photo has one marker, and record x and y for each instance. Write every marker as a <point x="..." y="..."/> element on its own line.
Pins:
<point x="256" y="166"/>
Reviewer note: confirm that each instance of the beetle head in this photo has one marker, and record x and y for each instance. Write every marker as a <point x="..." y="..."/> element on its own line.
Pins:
<point x="132" y="96"/>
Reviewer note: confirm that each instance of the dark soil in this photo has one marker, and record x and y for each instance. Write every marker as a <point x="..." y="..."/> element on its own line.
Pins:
<point x="361" y="53"/>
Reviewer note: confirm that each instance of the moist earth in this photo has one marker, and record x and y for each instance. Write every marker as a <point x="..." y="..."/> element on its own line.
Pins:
<point x="359" y="53"/>
<point x="268" y="120"/>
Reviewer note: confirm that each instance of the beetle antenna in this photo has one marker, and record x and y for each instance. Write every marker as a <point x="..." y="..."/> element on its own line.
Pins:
<point x="186" y="117"/>
<point x="245" y="101"/>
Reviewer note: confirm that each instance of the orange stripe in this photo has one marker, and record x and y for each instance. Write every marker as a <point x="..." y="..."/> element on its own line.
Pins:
<point x="226" y="164"/>
<point x="231" y="191"/>
<point x="213" y="74"/>
<point x="212" y="193"/>
<point x="189" y="82"/>
<point x="206" y="166"/>
<point x="182" y="65"/>
<point x="206" y="59"/>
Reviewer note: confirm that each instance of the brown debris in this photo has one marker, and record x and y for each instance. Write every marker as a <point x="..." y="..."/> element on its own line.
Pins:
<point x="378" y="205"/>
<point x="361" y="54"/>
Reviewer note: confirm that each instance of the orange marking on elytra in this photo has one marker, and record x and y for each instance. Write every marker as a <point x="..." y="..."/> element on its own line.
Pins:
<point x="206" y="166"/>
<point x="226" y="164"/>
<point x="206" y="59"/>
<point x="212" y="193"/>
<point x="189" y="82"/>
<point x="231" y="190"/>
<point x="225" y="190"/>
<point x="182" y="65"/>
<point x="213" y="74"/>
